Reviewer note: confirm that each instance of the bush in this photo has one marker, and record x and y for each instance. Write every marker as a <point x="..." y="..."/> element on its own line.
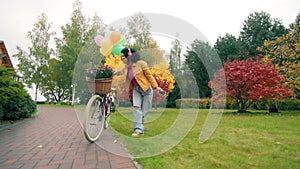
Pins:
<point x="1" y="112"/>
<point x="230" y="104"/>
<point x="289" y="104"/>
<point x="203" y="103"/>
<point x="15" y="101"/>
<point x="64" y="103"/>
<point x="260" y="105"/>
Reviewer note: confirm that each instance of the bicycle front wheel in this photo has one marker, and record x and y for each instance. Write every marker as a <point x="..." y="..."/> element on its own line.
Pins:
<point x="94" y="118"/>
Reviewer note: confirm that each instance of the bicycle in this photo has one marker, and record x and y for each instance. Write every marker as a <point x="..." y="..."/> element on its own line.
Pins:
<point x="97" y="115"/>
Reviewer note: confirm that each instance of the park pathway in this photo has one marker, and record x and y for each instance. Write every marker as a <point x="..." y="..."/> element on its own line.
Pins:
<point x="54" y="139"/>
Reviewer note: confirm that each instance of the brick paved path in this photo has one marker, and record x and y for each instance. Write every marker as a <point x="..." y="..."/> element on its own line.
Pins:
<point x="54" y="139"/>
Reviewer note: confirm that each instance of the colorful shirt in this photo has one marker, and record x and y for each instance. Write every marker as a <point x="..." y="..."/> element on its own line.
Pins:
<point x="130" y="75"/>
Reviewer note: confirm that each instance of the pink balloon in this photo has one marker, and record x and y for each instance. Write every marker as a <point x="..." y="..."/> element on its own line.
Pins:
<point x="98" y="39"/>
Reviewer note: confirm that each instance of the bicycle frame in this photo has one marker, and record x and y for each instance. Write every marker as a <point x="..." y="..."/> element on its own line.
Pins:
<point x="107" y="101"/>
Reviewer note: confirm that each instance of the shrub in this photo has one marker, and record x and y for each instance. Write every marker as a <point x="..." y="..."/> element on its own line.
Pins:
<point x="202" y="103"/>
<point x="289" y="104"/>
<point x="64" y="103"/>
<point x="1" y="112"/>
<point x="15" y="101"/>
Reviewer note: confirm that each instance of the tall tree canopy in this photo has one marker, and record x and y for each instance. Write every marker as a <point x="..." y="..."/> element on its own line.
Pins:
<point x="200" y="60"/>
<point x="258" y="27"/>
<point x="139" y="31"/>
<point x="230" y="48"/>
<point x="284" y="53"/>
<point x="33" y="65"/>
<point x="76" y="38"/>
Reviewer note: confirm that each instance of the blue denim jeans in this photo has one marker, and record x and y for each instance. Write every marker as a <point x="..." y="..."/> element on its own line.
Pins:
<point x="143" y="100"/>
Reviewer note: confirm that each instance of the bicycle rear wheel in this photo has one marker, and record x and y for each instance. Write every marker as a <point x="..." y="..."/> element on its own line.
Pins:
<point x="94" y="118"/>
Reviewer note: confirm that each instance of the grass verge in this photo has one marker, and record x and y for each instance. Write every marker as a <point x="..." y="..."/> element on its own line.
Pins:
<point x="255" y="140"/>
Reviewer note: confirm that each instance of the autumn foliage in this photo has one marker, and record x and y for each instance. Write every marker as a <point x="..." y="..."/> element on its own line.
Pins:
<point x="283" y="52"/>
<point x="248" y="81"/>
<point x="165" y="81"/>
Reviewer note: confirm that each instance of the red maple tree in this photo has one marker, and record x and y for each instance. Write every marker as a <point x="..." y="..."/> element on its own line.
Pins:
<point x="248" y="81"/>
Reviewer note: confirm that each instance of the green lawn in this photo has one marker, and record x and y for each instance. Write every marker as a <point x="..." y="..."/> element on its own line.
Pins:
<point x="257" y="140"/>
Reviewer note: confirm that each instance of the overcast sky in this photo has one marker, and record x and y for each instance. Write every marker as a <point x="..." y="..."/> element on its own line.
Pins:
<point x="212" y="18"/>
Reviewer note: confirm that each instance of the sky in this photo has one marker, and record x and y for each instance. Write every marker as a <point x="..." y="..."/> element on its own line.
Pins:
<point x="212" y="18"/>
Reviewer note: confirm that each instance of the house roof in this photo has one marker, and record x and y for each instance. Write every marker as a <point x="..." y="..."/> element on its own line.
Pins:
<point x="5" y="56"/>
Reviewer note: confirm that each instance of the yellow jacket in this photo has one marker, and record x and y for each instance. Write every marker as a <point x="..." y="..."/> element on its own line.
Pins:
<point x="143" y="76"/>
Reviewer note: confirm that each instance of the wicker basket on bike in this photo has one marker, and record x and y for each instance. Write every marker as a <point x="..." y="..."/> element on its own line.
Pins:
<point x="99" y="79"/>
<point x="99" y="86"/>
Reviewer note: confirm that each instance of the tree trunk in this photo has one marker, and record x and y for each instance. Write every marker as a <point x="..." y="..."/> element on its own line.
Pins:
<point x="273" y="108"/>
<point x="242" y="107"/>
<point x="36" y="92"/>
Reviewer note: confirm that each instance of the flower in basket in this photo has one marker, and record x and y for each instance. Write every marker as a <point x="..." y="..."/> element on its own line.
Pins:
<point x="99" y="72"/>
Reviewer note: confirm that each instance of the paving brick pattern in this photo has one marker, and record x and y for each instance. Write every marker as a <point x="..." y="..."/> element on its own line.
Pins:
<point x="54" y="139"/>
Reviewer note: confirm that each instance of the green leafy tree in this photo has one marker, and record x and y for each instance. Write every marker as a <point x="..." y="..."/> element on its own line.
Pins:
<point x="175" y="69"/>
<point x="200" y="59"/>
<point x="33" y="64"/>
<point x="258" y="27"/>
<point x="54" y="90"/>
<point x="138" y="31"/>
<point x="230" y="48"/>
<point x="77" y="37"/>
<point x="175" y="56"/>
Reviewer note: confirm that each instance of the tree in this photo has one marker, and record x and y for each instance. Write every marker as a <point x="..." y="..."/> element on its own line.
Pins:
<point x="139" y="31"/>
<point x="175" y="56"/>
<point x="283" y="52"/>
<point x="33" y="65"/>
<point x="259" y="27"/>
<point x="230" y="48"/>
<point x="248" y="81"/>
<point x="76" y="35"/>
<point x="176" y="71"/>
<point x="165" y="80"/>
<point x="200" y="59"/>
<point x="54" y="90"/>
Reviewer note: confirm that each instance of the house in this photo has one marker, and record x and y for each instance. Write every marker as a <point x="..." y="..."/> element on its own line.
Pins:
<point x="5" y="61"/>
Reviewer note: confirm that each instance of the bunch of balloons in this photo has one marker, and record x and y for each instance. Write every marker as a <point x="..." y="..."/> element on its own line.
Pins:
<point x="111" y="43"/>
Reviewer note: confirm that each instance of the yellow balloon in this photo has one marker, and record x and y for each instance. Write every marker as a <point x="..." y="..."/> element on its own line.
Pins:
<point x="106" y="47"/>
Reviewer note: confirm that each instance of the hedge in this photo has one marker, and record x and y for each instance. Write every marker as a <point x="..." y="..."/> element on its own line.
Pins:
<point x="203" y="103"/>
<point x="15" y="102"/>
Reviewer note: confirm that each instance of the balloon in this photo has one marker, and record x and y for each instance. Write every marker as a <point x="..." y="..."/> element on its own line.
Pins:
<point x="106" y="47"/>
<point x="115" y="37"/>
<point x="122" y="41"/>
<point x="105" y="53"/>
<point x="116" y="50"/>
<point x="98" y="39"/>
